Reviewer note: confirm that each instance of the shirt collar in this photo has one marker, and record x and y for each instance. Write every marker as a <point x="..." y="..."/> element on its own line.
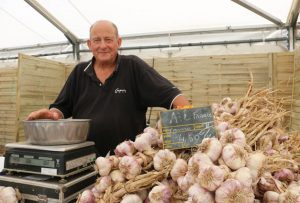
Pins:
<point x="90" y="70"/>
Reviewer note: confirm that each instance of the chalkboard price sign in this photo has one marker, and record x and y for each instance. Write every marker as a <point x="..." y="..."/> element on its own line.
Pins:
<point x="185" y="128"/>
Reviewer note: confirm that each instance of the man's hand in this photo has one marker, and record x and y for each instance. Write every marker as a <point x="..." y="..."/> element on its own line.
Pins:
<point x="45" y="114"/>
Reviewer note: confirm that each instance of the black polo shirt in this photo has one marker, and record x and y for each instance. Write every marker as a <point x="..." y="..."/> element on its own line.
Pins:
<point x="117" y="108"/>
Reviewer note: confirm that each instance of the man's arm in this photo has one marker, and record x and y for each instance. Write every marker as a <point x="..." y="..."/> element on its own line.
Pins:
<point x="180" y="100"/>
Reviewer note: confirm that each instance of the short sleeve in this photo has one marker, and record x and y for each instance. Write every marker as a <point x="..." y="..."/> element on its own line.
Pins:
<point x="154" y="89"/>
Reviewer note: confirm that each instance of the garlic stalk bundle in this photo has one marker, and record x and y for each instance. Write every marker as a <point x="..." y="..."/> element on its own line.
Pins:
<point x="125" y="148"/>
<point x="130" y="167"/>
<point x="163" y="158"/>
<point x="212" y="147"/>
<point x="102" y="184"/>
<point x="85" y="197"/>
<point x="160" y="194"/>
<point x="234" y="156"/>
<point x="211" y="177"/>
<point x="104" y="166"/>
<point x="234" y="136"/>
<point x="244" y="176"/>
<point x="255" y="162"/>
<point x="198" y="194"/>
<point x="179" y="169"/>
<point x="232" y="191"/>
<point x="271" y="197"/>
<point x="131" y="198"/>
<point x="117" y="176"/>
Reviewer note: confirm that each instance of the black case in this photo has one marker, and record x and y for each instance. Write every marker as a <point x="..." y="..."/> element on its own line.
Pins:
<point x="54" y="190"/>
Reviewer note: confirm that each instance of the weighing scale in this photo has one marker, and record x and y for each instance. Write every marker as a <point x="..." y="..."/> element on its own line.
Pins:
<point x="59" y="160"/>
<point x="46" y="189"/>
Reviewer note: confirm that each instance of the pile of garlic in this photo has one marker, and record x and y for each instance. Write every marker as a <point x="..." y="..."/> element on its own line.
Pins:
<point x="223" y="169"/>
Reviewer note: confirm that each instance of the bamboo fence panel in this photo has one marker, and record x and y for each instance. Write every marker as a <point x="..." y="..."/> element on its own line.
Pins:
<point x="282" y="79"/>
<point x="8" y="109"/>
<point x="295" y="117"/>
<point x="207" y="79"/>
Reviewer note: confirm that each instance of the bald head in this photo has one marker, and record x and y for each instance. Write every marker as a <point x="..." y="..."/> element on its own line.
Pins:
<point x="105" y="23"/>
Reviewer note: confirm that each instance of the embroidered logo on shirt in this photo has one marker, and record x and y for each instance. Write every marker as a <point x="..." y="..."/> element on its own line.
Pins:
<point x="120" y="91"/>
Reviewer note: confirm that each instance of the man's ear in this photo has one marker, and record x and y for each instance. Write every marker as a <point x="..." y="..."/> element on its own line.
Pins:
<point x="119" y="42"/>
<point x="88" y="42"/>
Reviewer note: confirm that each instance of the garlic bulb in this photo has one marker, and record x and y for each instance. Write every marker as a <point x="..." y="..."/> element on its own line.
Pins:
<point x="234" y="136"/>
<point x="222" y="127"/>
<point x="130" y="167"/>
<point x="160" y="194"/>
<point x="143" y="194"/>
<point x="104" y="166"/>
<point x="284" y="175"/>
<point x="131" y="198"/>
<point x="143" y="142"/>
<point x="197" y="161"/>
<point x="184" y="182"/>
<point x="114" y="161"/>
<point x="212" y="147"/>
<point x="211" y="177"/>
<point x="125" y="148"/>
<point x="271" y="197"/>
<point x="231" y="107"/>
<point x="232" y="191"/>
<point x="8" y="195"/>
<point x="85" y="197"/>
<point x="179" y="169"/>
<point x="244" y="176"/>
<point x="117" y="176"/>
<point x="226" y="100"/>
<point x="102" y="184"/>
<point x="163" y="158"/>
<point x="199" y="195"/>
<point x="154" y="133"/>
<point x="234" y="156"/>
<point x="255" y="163"/>
<point x="267" y="183"/>
<point x="225" y="116"/>
<point x="289" y="196"/>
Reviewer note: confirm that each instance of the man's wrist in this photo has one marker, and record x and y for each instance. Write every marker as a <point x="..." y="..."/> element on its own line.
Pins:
<point x="61" y="115"/>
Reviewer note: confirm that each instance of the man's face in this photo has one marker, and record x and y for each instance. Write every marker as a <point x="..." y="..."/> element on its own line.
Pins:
<point x="104" y="43"/>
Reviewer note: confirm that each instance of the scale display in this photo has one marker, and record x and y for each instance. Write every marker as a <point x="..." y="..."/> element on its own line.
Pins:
<point x="32" y="162"/>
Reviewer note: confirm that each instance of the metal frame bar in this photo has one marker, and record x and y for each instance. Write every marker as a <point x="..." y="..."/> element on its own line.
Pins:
<point x="259" y="12"/>
<point x="68" y="34"/>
